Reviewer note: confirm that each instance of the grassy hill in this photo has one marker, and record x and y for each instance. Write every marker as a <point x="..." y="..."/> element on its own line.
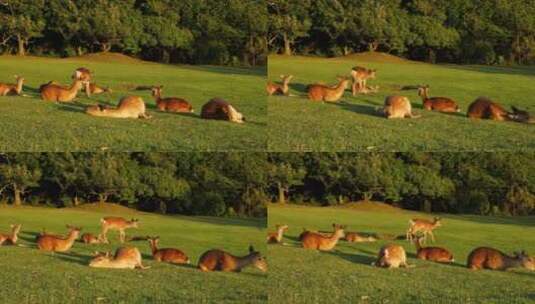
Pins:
<point x="31" y="124"/>
<point x="296" y="124"/>
<point x="32" y="276"/>
<point x="345" y="275"/>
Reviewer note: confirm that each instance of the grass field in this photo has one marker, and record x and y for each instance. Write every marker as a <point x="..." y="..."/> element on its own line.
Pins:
<point x="345" y="275"/>
<point x="30" y="124"/>
<point x="32" y="276"/>
<point x="296" y="124"/>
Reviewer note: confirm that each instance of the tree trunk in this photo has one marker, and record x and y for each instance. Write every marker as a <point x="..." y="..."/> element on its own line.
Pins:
<point x="76" y="201"/>
<point x="102" y="198"/>
<point x="282" y="195"/>
<point x="372" y="47"/>
<point x="105" y="47"/>
<point x="21" y="46"/>
<point x="17" y="195"/>
<point x="287" y="45"/>
<point x="367" y="196"/>
<point x="79" y="51"/>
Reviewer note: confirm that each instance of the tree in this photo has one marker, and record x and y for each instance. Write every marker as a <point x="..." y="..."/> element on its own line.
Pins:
<point x="285" y="171"/>
<point x="289" y="21"/>
<point x="19" y="172"/>
<point x="22" y="20"/>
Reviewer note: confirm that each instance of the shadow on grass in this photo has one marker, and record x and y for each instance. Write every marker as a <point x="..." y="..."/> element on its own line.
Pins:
<point x="353" y="258"/>
<point x="260" y="223"/>
<point x="258" y="71"/>
<point x="361" y="109"/>
<point x="73" y="257"/>
<point x="528" y="221"/>
<point x="527" y="71"/>
<point x="299" y="87"/>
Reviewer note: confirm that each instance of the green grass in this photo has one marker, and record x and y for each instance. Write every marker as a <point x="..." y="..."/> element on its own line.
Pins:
<point x="30" y="124"/>
<point x="31" y="276"/>
<point x="296" y="124"/>
<point x="345" y="275"/>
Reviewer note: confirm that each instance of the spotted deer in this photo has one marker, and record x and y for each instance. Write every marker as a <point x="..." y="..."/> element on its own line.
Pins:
<point x="54" y="243"/>
<point x="10" y="238"/>
<point x="279" y="89"/>
<point x="90" y="239"/>
<point x="219" y="260"/>
<point x="86" y="76"/>
<point x="440" y="104"/>
<point x="314" y="240"/>
<point x="398" y="107"/>
<point x="320" y="92"/>
<point x="355" y="237"/>
<point x="58" y="93"/>
<point x="360" y="76"/>
<point x="219" y="109"/>
<point x="124" y="258"/>
<point x="424" y="226"/>
<point x="276" y="237"/>
<point x="12" y="89"/>
<point x="169" y="255"/>
<point x="391" y="256"/>
<point x="170" y="104"/>
<point x="490" y="258"/>
<point x="485" y="108"/>
<point x="129" y="107"/>
<point x="116" y="223"/>
<point x="435" y="254"/>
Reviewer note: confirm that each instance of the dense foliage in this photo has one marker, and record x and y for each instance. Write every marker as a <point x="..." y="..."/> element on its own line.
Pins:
<point x="190" y="31"/>
<point x="463" y="31"/>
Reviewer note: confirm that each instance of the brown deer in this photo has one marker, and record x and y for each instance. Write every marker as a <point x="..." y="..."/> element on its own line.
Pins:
<point x="10" y="238"/>
<point x="125" y="258"/>
<point x="440" y="104"/>
<point x="424" y="226"/>
<point x="490" y="258"/>
<point x="314" y="240"/>
<point x="96" y="89"/>
<point x="398" y="107"/>
<point x="170" y="104"/>
<point x="276" y="237"/>
<point x="485" y="108"/>
<point x="90" y="239"/>
<point x="116" y="223"/>
<point x="391" y="256"/>
<point x="360" y="76"/>
<point x="219" y="109"/>
<point x="85" y="75"/>
<point x="169" y="255"/>
<point x="54" y="243"/>
<point x="58" y="93"/>
<point x="435" y="254"/>
<point x="129" y="107"/>
<point x="12" y="89"/>
<point x="219" y="260"/>
<point x="364" y="90"/>
<point x="277" y="89"/>
<point x="355" y="237"/>
<point x="320" y="92"/>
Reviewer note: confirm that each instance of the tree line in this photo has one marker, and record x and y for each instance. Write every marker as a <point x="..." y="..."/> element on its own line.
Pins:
<point x="240" y="184"/>
<point x="459" y="31"/>
<point x="229" y="32"/>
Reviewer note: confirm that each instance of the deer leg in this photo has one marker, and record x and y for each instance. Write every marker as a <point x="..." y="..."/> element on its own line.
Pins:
<point x="121" y="235"/>
<point x="354" y="88"/>
<point x="432" y="236"/>
<point x="103" y="235"/>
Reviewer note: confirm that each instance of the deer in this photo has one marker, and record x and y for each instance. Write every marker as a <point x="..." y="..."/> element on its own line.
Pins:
<point x="423" y="225"/>
<point x="314" y="240"/>
<point x="85" y="75"/>
<point x="277" y="89"/>
<point x="320" y="92"/>
<point x="129" y="107"/>
<point x="440" y="104"/>
<point x="485" y="108"/>
<point x="170" y="104"/>
<point x="58" y="93"/>
<point x="360" y="76"/>
<point x="490" y="258"/>
<point x="435" y="254"/>
<point x="90" y="239"/>
<point x="124" y="258"/>
<point x="391" y="256"/>
<point x="219" y="260"/>
<point x="364" y="90"/>
<point x="276" y="237"/>
<point x="96" y="89"/>
<point x="169" y="255"/>
<point x="116" y="223"/>
<point x="10" y="238"/>
<point x="12" y="89"/>
<point x="355" y="237"/>
<point x="397" y="106"/>
<point x="54" y="243"/>
<point x="219" y="109"/>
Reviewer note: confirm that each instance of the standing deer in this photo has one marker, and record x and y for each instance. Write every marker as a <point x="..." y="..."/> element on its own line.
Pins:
<point x="169" y="255"/>
<point x="219" y="109"/>
<point x="116" y="223"/>
<point x="219" y="260"/>
<point x="11" y="238"/>
<point x="170" y="104"/>
<point x="360" y="76"/>
<point x="277" y="89"/>
<point x="485" y="108"/>
<point x="441" y="104"/>
<point x="85" y="75"/>
<point x="320" y="92"/>
<point x="424" y="226"/>
<point x="129" y="107"/>
<point x="314" y="240"/>
<point x="398" y="107"/>
<point x="54" y="243"/>
<point x="391" y="256"/>
<point x="276" y="237"/>
<point x="12" y="89"/>
<point x="125" y="258"/>
<point x="435" y="254"/>
<point x="490" y="258"/>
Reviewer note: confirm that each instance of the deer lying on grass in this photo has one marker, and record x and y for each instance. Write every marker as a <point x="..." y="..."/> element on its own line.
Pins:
<point x="219" y="260"/>
<point x="440" y="104"/>
<point x="484" y="108"/>
<point x="276" y="237"/>
<point x="129" y="107"/>
<point x="391" y="256"/>
<point x="10" y="238"/>
<point x="219" y="109"/>
<point x="277" y="89"/>
<point x="125" y="258"/>
<point x="360" y="76"/>
<point x="116" y="223"/>
<point x="398" y="107"/>
<point x="54" y="243"/>
<point x="320" y="92"/>
<point x="55" y="92"/>
<point x="90" y="239"/>
<point x="12" y="89"/>
<point x="314" y="240"/>
<point x="424" y="226"/>
<point x="355" y="237"/>
<point x="490" y="258"/>
<point x="170" y="104"/>
<point x="364" y="90"/>
<point x="96" y="89"/>
<point x="435" y="254"/>
<point x="85" y="75"/>
<point x="169" y="255"/>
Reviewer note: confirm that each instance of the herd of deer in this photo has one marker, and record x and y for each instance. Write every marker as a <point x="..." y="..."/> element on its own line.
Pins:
<point x="397" y="106"/>
<point x="394" y="256"/>
<point x="130" y="257"/>
<point x="129" y="106"/>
